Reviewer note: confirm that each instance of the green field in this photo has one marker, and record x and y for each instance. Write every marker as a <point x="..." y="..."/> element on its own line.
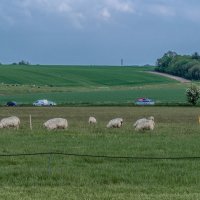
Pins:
<point x="87" y="85"/>
<point x="65" y="177"/>
<point x="49" y="177"/>
<point x="77" y="76"/>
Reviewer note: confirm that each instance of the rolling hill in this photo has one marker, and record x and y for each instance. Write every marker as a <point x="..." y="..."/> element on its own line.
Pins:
<point x="91" y="85"/>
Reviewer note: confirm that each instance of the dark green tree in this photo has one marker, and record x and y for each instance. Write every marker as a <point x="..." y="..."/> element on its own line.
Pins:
<point x="186" y="66"/>
<point x="195" y="56"/>
<point x="22" y="62"/>
<point x="164" y="62"/>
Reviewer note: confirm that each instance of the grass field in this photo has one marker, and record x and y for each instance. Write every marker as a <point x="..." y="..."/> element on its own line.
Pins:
<point x="77" y="76"/>
<point x="67" y="177"/>
<point x="58" y="177"/>
<point x="168" y="93"/>
<point x="87" y="85"/>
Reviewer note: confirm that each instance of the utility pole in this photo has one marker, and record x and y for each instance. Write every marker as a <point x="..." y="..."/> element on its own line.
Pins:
<point x="122" y="62"/>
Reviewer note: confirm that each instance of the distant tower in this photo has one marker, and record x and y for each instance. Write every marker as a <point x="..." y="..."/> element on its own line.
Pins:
<point x="122" y="62"/>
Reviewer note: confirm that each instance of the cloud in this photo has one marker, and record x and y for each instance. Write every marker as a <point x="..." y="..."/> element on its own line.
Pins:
<point x="63" y="9"/>
<point x="121" y="6"/>
<point x="105" y="14"/>
<point x="178" y="10"/>
<point x="75" y="10"/>
<point x="78" y="13"/>
<point x="161" y="10"/>
<point x="113" y="7"/>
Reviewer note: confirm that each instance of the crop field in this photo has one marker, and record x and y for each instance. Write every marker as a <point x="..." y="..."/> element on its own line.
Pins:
<point x="86" y="85"/>
<point x="176" y="134"/>
<point x="78" y="76"/>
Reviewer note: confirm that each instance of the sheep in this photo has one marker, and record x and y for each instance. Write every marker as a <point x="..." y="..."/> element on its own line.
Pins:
<point x="144" y="124"/>
<point x="56" y="123"/>
<point x="143" y="120"/>
<point x="115" y="123"/>
<point x="92" y="120"/>
<point x="8" y="122"/>
<point x="139" y="121"/>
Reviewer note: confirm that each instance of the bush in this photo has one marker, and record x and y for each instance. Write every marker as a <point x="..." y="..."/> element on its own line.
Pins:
<point x="193" y="94"/>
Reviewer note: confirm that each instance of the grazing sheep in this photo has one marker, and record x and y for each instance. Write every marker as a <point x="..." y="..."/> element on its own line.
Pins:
<point x="144" y="124"/>
<point x="92" y="120"/>
<point x="139" y="121"/>
<point x="115" y="123"/>
<point x="10" y="122"/>
<point x="142" y="120"/>
<point x="56" y="123"/>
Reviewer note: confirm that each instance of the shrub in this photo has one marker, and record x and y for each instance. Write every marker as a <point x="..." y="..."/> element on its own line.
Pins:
<point x="193" y="94"/>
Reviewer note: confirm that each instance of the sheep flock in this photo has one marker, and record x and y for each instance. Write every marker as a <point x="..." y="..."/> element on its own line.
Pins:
<point x="142" y="124"/>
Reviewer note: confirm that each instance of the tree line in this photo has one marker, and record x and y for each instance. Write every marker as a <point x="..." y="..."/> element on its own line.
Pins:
<point x="186" y="66"/>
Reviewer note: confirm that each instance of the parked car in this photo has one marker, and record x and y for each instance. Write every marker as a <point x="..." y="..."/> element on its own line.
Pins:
<point x="44" y="102"/>
<point x="11" y="103"/>
<point x="144" y="101"/>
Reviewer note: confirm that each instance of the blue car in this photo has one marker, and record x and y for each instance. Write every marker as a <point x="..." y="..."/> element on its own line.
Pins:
<point x="11" y="103"/>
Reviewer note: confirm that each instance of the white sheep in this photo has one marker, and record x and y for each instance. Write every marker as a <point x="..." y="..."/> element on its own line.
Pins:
<point x="139" y="121"/>
<point x="92" y="120"/>
<point x="144" y="124"/>
<point x="8" y="122"/>
<point x="56" y="123"/>
<point x="115" y="123"/>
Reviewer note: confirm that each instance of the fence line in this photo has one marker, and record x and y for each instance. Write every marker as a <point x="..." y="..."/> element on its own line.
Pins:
<point x="102" y="156"/>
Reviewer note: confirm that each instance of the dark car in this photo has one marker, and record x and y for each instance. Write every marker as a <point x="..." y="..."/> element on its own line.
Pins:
<point x="11" y="103"/>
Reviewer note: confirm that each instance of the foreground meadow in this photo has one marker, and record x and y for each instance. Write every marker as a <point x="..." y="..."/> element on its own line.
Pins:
<point x="177" y="134"/>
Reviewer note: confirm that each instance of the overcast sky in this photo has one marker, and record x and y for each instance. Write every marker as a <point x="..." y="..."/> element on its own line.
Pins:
<point x="97" y="32"/>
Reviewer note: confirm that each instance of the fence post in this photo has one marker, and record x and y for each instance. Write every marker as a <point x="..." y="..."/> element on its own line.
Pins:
<point x="30" y="122"/>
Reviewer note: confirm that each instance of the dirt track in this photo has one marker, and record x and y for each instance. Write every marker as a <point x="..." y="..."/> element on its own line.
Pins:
<point x="182" y="80"/>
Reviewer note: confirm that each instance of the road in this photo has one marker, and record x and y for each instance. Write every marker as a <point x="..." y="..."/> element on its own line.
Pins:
<point x="182" y="80"/>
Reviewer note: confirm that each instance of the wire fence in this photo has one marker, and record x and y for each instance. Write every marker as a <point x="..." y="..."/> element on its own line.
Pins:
<point x="102" y="156"/>
<point x="52" y="165"/>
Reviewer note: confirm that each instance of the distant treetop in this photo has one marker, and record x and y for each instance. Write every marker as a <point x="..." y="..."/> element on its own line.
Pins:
<point x="22" y="62"/>
<point x="186" y="66"/>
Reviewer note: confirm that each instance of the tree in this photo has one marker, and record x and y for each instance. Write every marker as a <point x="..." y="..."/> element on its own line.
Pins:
<point x="192" y="94"/>
<point x="22" y="62"/>
<point x="195" y="56"/>
<point x="164" y="62"/>
<point x="185" y="66"/>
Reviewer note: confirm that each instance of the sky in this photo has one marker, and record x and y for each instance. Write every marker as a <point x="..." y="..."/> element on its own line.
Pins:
<point x="97" y="32"/>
